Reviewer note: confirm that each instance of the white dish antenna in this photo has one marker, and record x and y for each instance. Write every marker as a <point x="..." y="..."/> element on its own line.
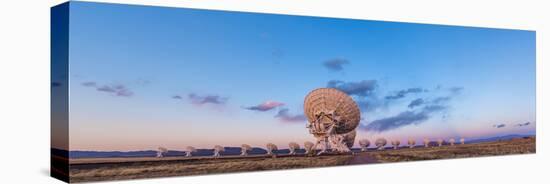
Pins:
<point x="245" y="148"/>
<point x="380" y="143"/>
<point x="332" y="117"/>
<point x="161" y="152"/>
<point x="411" y="143"/>
<point x="217" y="150"/>
<point x="189" y="150"/>
<point x="293" y="147"/>
<point x="364" y="143"/>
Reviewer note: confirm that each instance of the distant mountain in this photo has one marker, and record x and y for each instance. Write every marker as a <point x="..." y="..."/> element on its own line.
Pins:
<point x="153" y="153"/>
<point x="229" y="150"/>
<point x="111" y="154"/>
<point x="498" y="138"/>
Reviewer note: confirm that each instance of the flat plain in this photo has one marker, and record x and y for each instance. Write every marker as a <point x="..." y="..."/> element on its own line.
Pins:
<point x="100" y="169"/>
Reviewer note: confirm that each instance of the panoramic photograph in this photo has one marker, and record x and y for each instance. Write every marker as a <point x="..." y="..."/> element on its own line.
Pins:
<point x="156" y="91"/>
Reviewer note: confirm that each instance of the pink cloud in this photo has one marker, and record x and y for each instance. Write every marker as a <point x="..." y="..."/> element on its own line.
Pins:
<point x="266" y="106"/>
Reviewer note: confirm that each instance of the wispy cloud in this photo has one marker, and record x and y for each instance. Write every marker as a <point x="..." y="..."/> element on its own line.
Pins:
<point x="523" y="124"/>
<point x="89" y="84"/>
<point x="422" y="109"/>
<point x="143" y="82"/>
<point x="411" y="117"/>
<point x="336" y="64"/>
<point x="437" y="100"/>
<point x="113" y="89"/>
<point x="402" y="119"/>
<point x="393" y="122"/>
<point x="362" y="88"/>
<point x="416" y="102"/>
<point x="284" y="116"/>
<point x="206" y="99"/>
<point x="265" y="106"/>
<point x="117" y="90"/>
<point x="502" y="125"/>
<point x="402" y="93"/>
<point x="443" y="99"/>
<point x="363" y="92"/>
<point x="456" y="90"/>
<point x="369" y="104"/>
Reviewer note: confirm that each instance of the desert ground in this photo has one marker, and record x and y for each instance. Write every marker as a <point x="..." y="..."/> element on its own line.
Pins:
<point x="99" y="169"/>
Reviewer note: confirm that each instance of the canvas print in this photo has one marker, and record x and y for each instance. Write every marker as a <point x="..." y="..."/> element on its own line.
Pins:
<point x="144" y="91"/>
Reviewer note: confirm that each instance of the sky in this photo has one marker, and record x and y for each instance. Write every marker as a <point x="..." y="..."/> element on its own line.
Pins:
<point x="143" y="77"/>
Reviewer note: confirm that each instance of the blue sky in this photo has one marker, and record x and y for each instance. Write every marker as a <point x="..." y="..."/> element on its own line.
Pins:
<point x="143" y="77"/>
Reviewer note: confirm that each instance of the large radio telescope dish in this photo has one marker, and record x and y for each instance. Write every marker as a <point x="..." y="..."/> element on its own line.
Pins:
<point x="333" y="116"/>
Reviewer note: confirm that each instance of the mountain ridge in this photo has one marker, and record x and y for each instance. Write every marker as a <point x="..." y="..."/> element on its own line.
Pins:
<point x="228" y="150"/>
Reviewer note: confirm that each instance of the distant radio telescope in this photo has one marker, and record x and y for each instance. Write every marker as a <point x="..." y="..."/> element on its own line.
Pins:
<point x="161" y="152"/>
<point x="395" y="144"/>
<point x="461" y="140"/>
<point x="439" y="142"/>
<point x="217" y="150"/>
<point x="411" y="143"/>
<point x="271" y="148"/>
<point x="349" y="139"/>
<point x="189" y="150"/>
<point x="245" y="148"/>
<point x="452" y="141"/>
<point x="364" y="143"/>
<point x="380" y="143"/>
<point x="426" y="142"/>
<point x="292" y="147"/>
<point x="332" y="117"/>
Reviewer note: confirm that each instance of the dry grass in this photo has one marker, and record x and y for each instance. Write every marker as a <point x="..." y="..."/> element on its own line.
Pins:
<point x="131" y="168"/>
<point x="516" y="146"/>
<point x="98" y="172"/>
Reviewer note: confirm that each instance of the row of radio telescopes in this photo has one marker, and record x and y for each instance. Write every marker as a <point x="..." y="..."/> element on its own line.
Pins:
<point x="308" y="147"/>
<point x="333" y="117"/>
